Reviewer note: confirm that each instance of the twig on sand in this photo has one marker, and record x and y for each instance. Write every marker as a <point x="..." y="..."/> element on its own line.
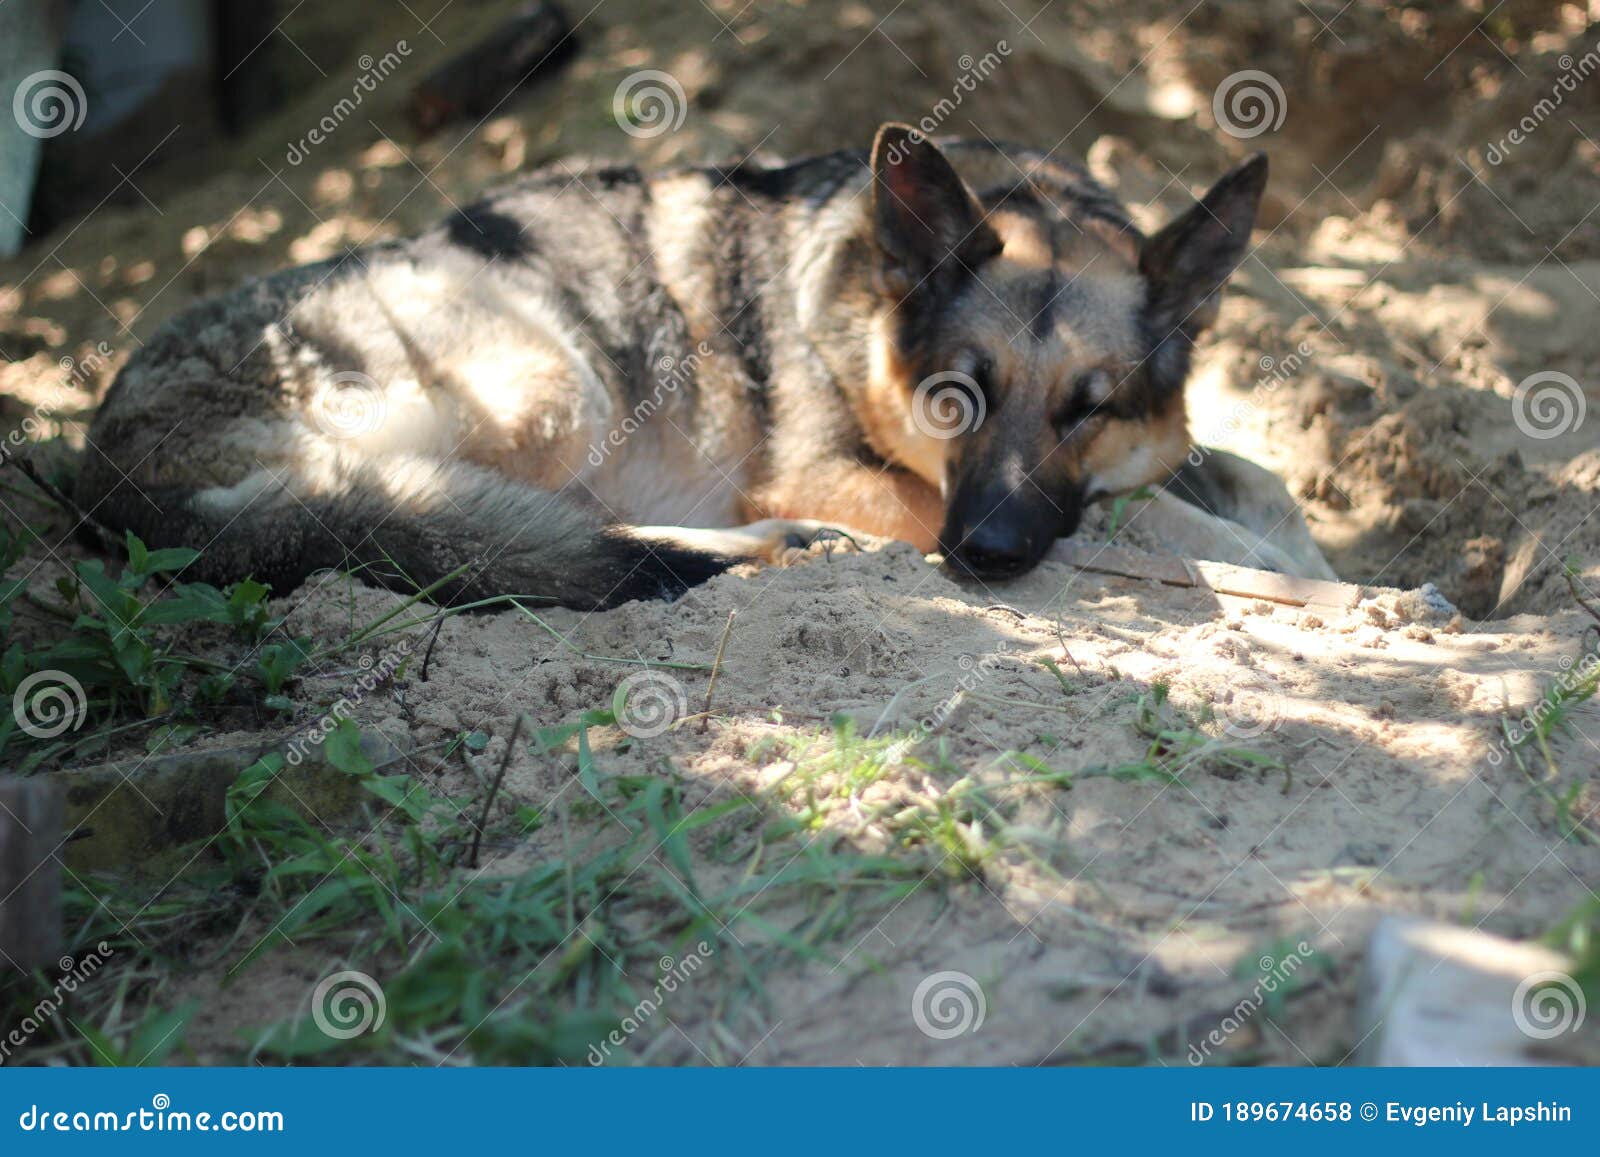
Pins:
<point x="1586" y="604"/>
<point x="427" y="656"/>
<point x="571" y="648"/>
<point x="1062" y="639"/>
<point x="107" y="538"/>
<point x="494" y="790"/>
<point x="716" y="668"/>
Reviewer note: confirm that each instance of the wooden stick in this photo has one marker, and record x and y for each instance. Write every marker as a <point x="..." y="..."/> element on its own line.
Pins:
<point x="427" y="656"/>
<point x="716" y="668"/>
<point x="108" y="539"/>
<point x="494" y="790"/>
<point x="1061" y="638"/>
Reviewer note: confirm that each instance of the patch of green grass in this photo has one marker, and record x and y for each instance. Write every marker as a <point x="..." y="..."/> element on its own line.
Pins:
<point x="831" y="768"/>
<point x="954" y="822"/>
<point x="116" y="651"/>
<point x="1551" y="717"/>
<point x="1177" y="745"/>
<point x="1579" y="936"/>
<point x="1552" y="714"/>
<point x="116" y="638"/>
<point x="1119" y="506"/>
<point x="972" y="826"/>
<point x="475" y="967"/>
<point x="1280" y="970"/>
<point x="1068" y="687"/>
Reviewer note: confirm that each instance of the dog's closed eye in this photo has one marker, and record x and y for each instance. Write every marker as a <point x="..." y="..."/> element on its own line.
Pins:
<point x="1089" y="390"/>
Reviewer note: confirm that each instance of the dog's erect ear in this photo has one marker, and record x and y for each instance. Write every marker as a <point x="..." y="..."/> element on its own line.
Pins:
<point x="1187" y="263"/>
<point x="924" y="216"/>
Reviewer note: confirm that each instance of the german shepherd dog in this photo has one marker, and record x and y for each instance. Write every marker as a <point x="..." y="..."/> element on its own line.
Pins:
<point x="596" y="385"/>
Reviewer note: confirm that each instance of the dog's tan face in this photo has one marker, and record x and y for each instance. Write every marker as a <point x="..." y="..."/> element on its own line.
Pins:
<point x="1028" y="366"/>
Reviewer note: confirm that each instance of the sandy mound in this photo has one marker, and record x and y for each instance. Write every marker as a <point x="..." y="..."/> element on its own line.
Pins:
<point x="1319" y="767"/>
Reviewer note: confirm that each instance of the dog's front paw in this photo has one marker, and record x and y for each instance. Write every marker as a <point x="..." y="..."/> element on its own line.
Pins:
<point x="785" y="541"/>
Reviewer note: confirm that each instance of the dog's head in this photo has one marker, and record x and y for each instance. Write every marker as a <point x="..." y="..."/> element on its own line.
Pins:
<point x="1028" y="364"/>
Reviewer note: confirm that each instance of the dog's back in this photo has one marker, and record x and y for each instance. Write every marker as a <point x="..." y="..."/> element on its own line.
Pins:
<point x="441" y="405"/>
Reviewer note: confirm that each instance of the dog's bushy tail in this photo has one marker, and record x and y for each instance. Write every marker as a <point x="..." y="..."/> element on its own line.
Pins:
<point x="404" y="524"/>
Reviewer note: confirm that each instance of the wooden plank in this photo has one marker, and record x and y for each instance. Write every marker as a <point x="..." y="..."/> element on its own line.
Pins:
<point x="30" y="872"/>
<point x="1221" y="578"/>
<point x="1276" y="588"/>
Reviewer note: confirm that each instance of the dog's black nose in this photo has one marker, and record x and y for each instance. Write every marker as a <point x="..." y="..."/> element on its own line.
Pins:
<point x="993" y="551"/>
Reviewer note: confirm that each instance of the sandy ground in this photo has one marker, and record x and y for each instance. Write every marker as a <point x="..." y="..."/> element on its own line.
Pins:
<point x="1405" y="283"/>
<point x="1106" y="920"/>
